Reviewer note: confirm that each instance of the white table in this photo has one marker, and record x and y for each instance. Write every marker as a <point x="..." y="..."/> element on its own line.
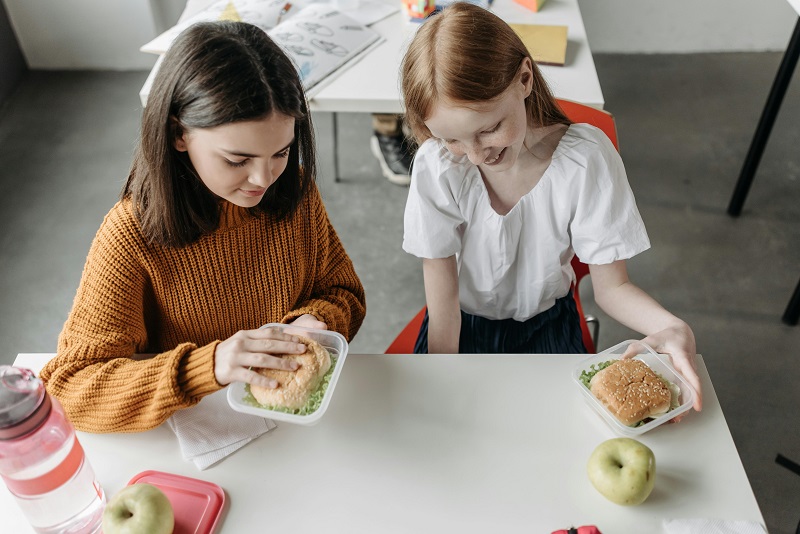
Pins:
<point x="443" y="444"/>
<point x="373" y="85"/>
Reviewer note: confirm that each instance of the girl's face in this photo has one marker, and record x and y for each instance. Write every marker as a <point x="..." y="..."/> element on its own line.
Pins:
<point x="238" y="161"/>
<point x="491" y="134"/>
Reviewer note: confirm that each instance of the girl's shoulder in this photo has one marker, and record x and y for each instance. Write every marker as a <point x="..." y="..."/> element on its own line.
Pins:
<point x="585" y="140"/>
<point x="120" y="233"/>
<point x="121" y="218"/>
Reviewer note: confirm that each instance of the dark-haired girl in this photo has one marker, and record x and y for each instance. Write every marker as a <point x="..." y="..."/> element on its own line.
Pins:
<point x="219" y="230"/>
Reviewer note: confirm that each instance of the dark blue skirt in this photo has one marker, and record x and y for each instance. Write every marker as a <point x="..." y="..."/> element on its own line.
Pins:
<point x="554" y="331"/>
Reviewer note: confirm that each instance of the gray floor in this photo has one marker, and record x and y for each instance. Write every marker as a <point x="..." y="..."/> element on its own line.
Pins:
<point x="685" y="123"/>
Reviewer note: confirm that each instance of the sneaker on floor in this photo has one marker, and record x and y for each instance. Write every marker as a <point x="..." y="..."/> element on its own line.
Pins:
<point x="395" y="154"/>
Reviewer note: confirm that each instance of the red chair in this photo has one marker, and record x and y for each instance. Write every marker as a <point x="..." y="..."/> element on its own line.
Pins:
<point x="405" y="340"/>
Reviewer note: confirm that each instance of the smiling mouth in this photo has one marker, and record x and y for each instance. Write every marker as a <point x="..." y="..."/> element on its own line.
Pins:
<point x="253" y="192"/>
<point x="495" y="159"/>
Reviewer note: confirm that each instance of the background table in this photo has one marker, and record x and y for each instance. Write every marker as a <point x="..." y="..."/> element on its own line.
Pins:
<point x="443" y="443"/>
<point x="373" y="84"/>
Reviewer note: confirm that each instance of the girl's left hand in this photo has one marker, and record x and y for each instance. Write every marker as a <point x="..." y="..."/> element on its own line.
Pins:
<point x="677" y="341"/>
<point x="309" y="321"/>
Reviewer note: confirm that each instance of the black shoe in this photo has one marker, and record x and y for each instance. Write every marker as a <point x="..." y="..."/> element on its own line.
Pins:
<point x="395" y="154"/>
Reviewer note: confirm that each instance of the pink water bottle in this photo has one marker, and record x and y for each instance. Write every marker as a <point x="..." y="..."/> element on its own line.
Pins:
<point x="41" y="461"/>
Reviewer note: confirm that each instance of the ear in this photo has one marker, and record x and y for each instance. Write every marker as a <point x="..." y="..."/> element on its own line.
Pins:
<point x="526" y="75"/>
<point x="178" y="135"/>
<point x="180" y="144"/>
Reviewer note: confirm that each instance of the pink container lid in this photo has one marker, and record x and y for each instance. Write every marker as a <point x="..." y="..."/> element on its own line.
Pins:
<point x="197" y="504"/>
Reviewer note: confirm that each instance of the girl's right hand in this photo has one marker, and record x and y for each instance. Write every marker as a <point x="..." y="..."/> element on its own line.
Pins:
<point x="235" y="357"/>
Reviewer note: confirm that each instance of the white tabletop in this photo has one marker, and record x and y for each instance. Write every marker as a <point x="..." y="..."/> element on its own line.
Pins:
<point x="795" y="4"/>
<point x="473" y="443"/>
<point x="372" y="84"/>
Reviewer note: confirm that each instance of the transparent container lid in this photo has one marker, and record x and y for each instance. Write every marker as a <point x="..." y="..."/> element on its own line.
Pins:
<point x="661" y="364"/>
<point x="336" y="345"/>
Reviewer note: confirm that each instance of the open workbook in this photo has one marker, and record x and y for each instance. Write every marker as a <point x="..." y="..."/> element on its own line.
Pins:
<point x="319" y="38"/>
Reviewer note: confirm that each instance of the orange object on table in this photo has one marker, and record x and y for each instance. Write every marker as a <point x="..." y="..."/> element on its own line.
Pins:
<point x="533" y="5"/>
<point x="419" y="9"/>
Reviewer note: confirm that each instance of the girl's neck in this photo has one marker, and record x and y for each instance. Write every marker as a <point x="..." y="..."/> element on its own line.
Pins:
<point x="507" y="188"/>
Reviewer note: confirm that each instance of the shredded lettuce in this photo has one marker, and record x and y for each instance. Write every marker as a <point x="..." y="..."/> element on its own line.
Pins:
<point x="587" y="375"/>
<point x="314" y="400"/>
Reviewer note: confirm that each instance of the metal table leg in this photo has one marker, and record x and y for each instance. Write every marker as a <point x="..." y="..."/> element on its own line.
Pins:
<point x="335" y="148"/>
<point x="766" y="122"/>
<point x="792" y="313"/>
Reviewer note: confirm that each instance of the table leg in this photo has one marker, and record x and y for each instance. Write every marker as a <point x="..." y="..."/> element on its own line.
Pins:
<point x="335" y="149"/>
<point x="792" y="313"/>
<point x="766" y="122"/>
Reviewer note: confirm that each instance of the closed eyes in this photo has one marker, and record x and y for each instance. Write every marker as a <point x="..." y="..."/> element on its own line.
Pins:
<point x="492" y="130"/>
<point x="484" y="132"/>
<point x="282" y="154"/>
<point x="236" y="163"/>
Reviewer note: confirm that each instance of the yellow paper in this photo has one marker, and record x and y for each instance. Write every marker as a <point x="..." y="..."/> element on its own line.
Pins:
<point x="547" y="44"/>
<point x="230" y="13"/>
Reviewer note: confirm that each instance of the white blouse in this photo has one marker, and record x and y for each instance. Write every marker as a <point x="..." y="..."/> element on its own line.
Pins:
<point x="516" y="265"/>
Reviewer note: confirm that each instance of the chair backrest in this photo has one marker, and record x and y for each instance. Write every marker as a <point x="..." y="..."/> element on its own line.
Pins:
<point x="605" y="121"/>
<point x="405" y="340"/>
<point x="596" y="117"/>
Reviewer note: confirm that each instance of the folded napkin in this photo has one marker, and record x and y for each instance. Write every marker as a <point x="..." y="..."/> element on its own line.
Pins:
<point x="711" y="526"/>
<point x="211" y="430"/>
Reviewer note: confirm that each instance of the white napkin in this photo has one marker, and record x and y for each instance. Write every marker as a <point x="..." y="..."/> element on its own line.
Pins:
<point x="211" y="430"/>
<point x="711" y="526"/>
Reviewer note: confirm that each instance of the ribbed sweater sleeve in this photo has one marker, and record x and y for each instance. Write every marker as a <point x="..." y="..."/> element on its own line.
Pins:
<point x="177" y="304"/>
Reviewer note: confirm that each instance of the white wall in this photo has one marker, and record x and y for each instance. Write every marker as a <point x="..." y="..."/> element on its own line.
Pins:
<point x="681" y="26"/>
<point x="84" y="34"/>
<point x="107" y="34"/>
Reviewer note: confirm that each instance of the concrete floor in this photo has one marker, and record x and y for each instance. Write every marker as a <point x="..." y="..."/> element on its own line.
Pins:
<point x="685" y="123"/>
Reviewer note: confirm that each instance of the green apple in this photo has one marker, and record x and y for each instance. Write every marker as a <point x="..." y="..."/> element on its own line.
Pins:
<point x="623" y="470"/>
<point x="139" y="509"/>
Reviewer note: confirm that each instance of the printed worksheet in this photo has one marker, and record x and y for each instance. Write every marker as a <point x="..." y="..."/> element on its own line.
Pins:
<point x="322" y="40"/>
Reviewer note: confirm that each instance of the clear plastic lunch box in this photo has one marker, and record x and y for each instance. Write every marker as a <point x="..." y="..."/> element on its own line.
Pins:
<point x="659" y="363"/>
<point x="336" y="345"/>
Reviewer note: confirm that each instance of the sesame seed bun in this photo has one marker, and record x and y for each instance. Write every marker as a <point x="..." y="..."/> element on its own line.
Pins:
<point x="295" y="387"/>
<point x="631" y="391"/>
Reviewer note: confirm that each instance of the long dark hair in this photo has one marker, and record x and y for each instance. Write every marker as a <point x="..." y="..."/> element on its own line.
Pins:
<point x="468" y="54"/>
<point x="214" y="73"/>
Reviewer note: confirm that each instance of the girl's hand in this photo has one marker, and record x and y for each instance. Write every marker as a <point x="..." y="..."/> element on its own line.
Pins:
<point x="309" y="321"/>
<point x="677" y="341"/>
<point x="234" y="357"/>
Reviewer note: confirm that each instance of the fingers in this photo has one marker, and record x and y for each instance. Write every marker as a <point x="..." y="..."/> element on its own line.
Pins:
<point x="269" y="341"/>
<point x="235" y="358"/>
<point x="634" y="349"/>
<point x="249" y="376"/>
<point x="256" y="359"/>
<point x="688" y="372"/>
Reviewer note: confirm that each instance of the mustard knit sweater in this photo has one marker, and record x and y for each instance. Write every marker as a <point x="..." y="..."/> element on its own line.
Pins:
<point x="179" y="303"/>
